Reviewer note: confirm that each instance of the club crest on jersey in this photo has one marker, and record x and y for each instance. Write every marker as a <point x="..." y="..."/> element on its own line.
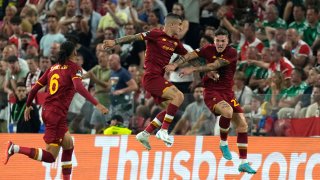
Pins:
<point x="79" y="73"/>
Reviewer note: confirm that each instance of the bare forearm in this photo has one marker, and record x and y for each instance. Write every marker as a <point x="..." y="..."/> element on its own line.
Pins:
<point x="212" y="66"/>
<point x="186" y="58"/>
<point x="129" y="38"/>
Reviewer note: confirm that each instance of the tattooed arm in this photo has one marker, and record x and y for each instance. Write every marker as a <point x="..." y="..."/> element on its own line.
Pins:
<point x="129" y="38"/>
<point x="206" y="68"/>
<point x="212" y="66"/>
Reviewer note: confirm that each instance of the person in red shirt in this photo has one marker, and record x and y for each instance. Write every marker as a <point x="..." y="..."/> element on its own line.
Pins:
<point x="63" y="80"/>
<point x="161" y="44"/>
<point x="218" y="93"/>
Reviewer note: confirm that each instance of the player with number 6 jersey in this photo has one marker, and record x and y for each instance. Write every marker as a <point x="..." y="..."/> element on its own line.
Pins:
<point x="62" y="80"/>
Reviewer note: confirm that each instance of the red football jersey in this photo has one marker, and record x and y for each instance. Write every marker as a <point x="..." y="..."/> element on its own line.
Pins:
<point x="226" y="73"/>
<point x="160" y="48"/>
<point x="60" y="88"/>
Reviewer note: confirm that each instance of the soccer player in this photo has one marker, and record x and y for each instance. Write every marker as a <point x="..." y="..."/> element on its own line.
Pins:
<point x="161" y="44"/>
<point x="63" y="80"/>
<point x="218" y="95"/>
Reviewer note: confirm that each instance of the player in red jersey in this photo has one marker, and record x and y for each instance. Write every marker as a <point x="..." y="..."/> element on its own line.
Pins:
<point x="161" y="44"/>
<point x="218" y="94"/>
<point x="63" y="80"/>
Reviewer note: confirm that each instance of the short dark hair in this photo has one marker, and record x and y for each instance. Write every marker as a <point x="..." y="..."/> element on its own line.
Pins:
<point x="221" y="31"/>
<point x="21" y="84"/>
<point x="314" y="8"/>
<point x="302" y="7"/>
<point x="16" y="20"/>
<point x="173" y="16"/>
<point x="12" y="59"/>
<point x="208" y="38"/>
<point x="65" y="52"/>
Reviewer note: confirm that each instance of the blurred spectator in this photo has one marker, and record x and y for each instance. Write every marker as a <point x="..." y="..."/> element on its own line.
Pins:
<point x="197" y="118"/>
<point x="54" y="51"/>
<point x="32" y="17"/>
<point x="3" y="99"/>
<point x="314" y="109"/>
<point x="67" y="22"/>
<point x="122" y="87"/>
<point x="16" y="72"/>
<point x="125" y="6"/>
<point x="133" y="52"/>
<point x="242" y="92"/>
<point x="149" y="6"/>
<point x="32" y="50"/>
<point x="90" y="16"/>
<point x="276" y="89"/>
<point x="34" y="74"/>
<point x="113" y="18"/>
<point x="44" y="63"/>
<point x="5" y="27"/>
<point x="258" y="79"/>
<point x="299" y="50"/>
<point x="116" y="127"/>
<point x="17" y="37"/>
<point x="100" y="75"/>
<point x="153" y="21"/>
<point x="3" y="42"/>
<point x="299" y="15"/>
<point x="23" y="126"/>
<point x="52" y="36"/>
<point x="192" y="14"/>
<point x="292" y="95"/>
<point x="311" y="35"/>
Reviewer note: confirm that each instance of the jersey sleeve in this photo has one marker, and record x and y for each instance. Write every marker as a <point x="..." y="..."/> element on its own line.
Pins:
<point x="40" y="83"/>
<point x="304" y="50"/>
<point x="202" y="52"/>
<point x="150" y="35"/>
<point x="76" y="72"/>
<point x="230" y="55"/>
<point x="180" y="49"/>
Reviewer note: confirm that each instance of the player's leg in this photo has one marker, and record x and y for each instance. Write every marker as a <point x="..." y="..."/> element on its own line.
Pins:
<point x="66" y="159"/>
<point x="143" y="136"/>
<point x="226" y="111"/>
<point x="241" y="125"/>
<point x="176" y="98"/>
<point x="49" y="155"/>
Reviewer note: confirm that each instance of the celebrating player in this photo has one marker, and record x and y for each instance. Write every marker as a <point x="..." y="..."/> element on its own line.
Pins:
<point x="161" y="44"/>
<point x="63" y="80"/>
<point x="218" y="95"/>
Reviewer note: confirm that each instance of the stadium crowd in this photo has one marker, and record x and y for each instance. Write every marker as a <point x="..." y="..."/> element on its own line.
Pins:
<point x="278" y="71"/>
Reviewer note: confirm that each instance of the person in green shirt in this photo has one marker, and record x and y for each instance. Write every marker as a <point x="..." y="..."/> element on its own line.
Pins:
<point x="311" y="35"/>
<point x="116" y="127"/>
<point x="299" y="22"/>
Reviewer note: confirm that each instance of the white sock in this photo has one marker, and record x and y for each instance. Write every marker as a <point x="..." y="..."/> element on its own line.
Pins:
<point x="223" y="143"/>
<point x="16" y="148"/>
<point x="146" y="133"/>
<point x="243" y="161"/>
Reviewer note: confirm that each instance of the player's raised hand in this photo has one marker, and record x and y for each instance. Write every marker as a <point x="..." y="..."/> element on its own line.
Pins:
<point x="186" y="71"/>
<point x="27" y="111"/>
<point x="102" y="108"/>
<point x="108" y="44"/>
<point x="170" y="67"/>
<point x="213" y="75"/>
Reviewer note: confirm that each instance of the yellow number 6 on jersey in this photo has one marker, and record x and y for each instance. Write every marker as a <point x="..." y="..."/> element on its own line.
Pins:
<point x="54" y="84"/>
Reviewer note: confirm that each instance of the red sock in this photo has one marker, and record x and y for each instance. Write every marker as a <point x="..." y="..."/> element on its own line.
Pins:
<point x="224" y="124"/>
<point x="156" y="122"/>
<point x="37" y="154"/>
<point x="242" y="142"/>
<point x="66" y="161"/>
<point x="171" y="111"/>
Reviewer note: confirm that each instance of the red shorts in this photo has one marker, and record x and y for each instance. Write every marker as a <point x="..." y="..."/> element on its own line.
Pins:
<point x="156" y="85"/>
<point x="55" y="121"/>
<point x="211" y="98"/>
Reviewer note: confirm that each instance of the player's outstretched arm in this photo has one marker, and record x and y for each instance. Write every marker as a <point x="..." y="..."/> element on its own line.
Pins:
<point x="129" y="38"/>
<point x="31" y="96"/>
<point x="181" y="60"/>
<point x="206" y="68"/>
<point x="82" y="90"/>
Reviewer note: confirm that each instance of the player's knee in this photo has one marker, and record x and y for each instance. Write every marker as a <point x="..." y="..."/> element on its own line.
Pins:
<point x="51" y="158"/>
<point x="180" y="96"/>
<point x="227" y="113"/>
<point x="242" y="127"/>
